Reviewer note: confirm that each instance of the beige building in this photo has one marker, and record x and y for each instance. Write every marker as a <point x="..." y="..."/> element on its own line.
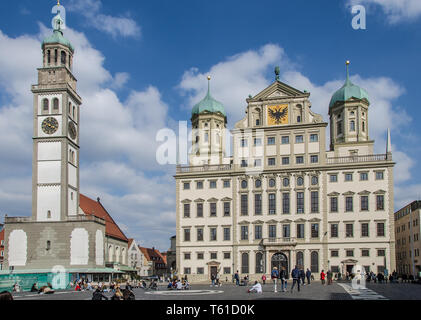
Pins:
<point x="282" y="199"/>
<point x="408" y="244"/>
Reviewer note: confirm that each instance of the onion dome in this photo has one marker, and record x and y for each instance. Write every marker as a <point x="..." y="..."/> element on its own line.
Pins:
<point x="57" y="36"/>
<point x="209" y="104"/>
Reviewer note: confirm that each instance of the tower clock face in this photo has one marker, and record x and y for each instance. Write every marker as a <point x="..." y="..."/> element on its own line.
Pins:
<point x="277" y="115"/>
<point x="72" y="130"/>
<point x="50" y="126"/>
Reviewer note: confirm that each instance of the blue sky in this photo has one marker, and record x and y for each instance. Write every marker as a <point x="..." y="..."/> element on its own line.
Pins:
<point x="141" y="65"/>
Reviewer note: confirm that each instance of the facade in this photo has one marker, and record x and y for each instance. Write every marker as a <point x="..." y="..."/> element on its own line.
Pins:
<point x="282" y="199"/>
<point x="407" y="235"/>
<point x="137" y="259"/>
<point x="171" y="257"/>
<point x="155" y="262"/>
<point x="1" y="246"/>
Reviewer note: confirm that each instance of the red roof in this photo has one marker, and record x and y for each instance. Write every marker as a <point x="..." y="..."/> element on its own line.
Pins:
<point x="130" y="243"/>
<point x="95" y="208"/>
<point x="153" y="255"/>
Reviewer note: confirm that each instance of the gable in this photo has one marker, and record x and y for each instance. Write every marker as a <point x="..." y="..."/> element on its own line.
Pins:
<point x="279" y="90"/>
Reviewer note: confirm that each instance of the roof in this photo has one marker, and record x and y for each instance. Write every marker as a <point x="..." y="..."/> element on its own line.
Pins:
<point x="348" y="91"/>
<point x="57" y="36"/>
<point x="209" y="104"/>
<point x="153" y="255"/>
<point x="95" y="208"/>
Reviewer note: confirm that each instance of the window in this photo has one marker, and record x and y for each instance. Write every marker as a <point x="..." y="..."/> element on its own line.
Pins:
<point x="227" y="270"/>
<point x="365" y="253"/>
<point x="363" y="176"/>
<point x="271" y="162"/>
<point x="285" y="182"/>
<point x="300" y="202"/>
<point x="199" y="185"/>
<point x="298" y="119"/>
<point x="257" y="163"/>
<point x="186" y="235"/>
<point x="272" y="203"/>
<point x="63" y="57"/>
<point x="314" y="202"/>
<point x="227" y="209"/>
<point x="206" y="139"/>
<point x="364" y="203"/>
<point x="285" y="203"/>
<point x="48" y="56"/>
<point x="243" y="143"/>
<point x="381" y="253"/>
<point x="348" y="176"/>
<point x="363" y="126"/>
<point x="333" y="178"/>
<point x="314" y="138"/>
<point x="349" y="204"/>
<point x="212" y="184"/>
<point x="187" y="256"/>
<point x="300" y="181"/>
<point x="56" y="56"/>
<point x="200" y="256"/>
<point x="186" y="186"/>
<point x="334" y="230"/>
<point x="380" y="202"/>
<point x="380" y="229"/>
<point x="200" y="271"/>
<point x="244" y="184"/>
<point x="379" y="175"/>
<point x="49" y="214"/>
<point x="259" y="262"/>
<point x="315" y="262"/>
<point x="227" y="184"/>
<point x="55" y="104"/>
<point x="286" y="231"/>
<point x="352" y="126"/>
<point x="186" y="210"/>
<point x="45" y="105"/>
<point x="314" y="230"/>
<point x="48" y="245"/>
<point x="257" y="122"/>
<point x="339" y="127"/>
<point x="244" y="205"/>
<point x="227" y="255"/>
<point x="314" y="181"/>
<point x="213" y="209"/>
<point x="334" y="253"/>
<point x="244" y="233"/>
<point x="212" y="234"/>
<point x="349" y="253"/>
<point x="299" y="160"/>
<point x="300" y="231"/>
<point x="272" y="231"/>
<point x="200" y="210"/>
<point x="214" y="255"/>
<point x="285" y="140"/>
<point x="257" y="204"/>
<point x="299" y="139"/>
<point x="364" y="230"/>
<point x="258" y="183"/>
<point x="285" y="161"/>
<point x="257" y="142"/>
<point x="245" y="263"/>
<point x="187" y="270"/>
<point x="200" y="234"/>
<point x="314" y="159"/>
<point x="227" y="234"/>
<point x="244" y="164"/>
<point x="258" y="232"/>
<point x="271" y="141"/>
<point x="349" y="230"/>
<point x="300" y="259"/>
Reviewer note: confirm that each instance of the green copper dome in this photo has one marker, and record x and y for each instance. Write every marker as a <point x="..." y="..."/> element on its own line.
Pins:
<point x="348" y="91"/>
<point x="57" y="36"/>
<point x="208" y="104"/>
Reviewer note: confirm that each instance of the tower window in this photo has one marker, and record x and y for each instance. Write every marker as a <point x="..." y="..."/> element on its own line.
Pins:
<point x="258" y="122"/>
<point x="63" y="58"/>
<point x="45" y="105"/>
<point x="299" y="119"/>
<point x="339" y="127"/>
<point x="70" y="107"/>
<point x="352" y="126"/>
<point x="363" y="126"/>
<point x="48" y="214"/>
<point x="48" y="245"/>
<point x="56" y="56"/>
<point x="55" y="104"/>
<point x="48" y="56"/>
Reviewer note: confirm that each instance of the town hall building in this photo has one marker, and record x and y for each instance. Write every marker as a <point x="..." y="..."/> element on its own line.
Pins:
<point x="282" y="199"/>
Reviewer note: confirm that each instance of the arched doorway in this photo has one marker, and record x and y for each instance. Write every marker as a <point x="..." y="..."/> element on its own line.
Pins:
<point x="280" y="260"/>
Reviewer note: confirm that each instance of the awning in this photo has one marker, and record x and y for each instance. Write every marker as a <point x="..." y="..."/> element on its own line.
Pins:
<point x="38" y="271"/>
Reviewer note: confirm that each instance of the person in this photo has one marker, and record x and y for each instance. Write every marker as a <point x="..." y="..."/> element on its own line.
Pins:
<point x="302" y="276"/>
<point x="34" y="288"/>
<point x="264" y="279"/>
<point x="16" y="287"/>
<point x="98" y="295"/>
<point x="237" y="279"/>
<point x="275" y="276"/>
<point x="218" y="283"/>
<point x="179" y="285"/>
<point x="323" y="277"/>
<point x="308" y="276"/>
<point x="186" y="286"/>
<point x="257" y="288"/>
<point x="128" y="294"/>
<point x="213" y="278"/>
<point x="295" y="278"/>
<point x="118" y="295"/>
<point x="283" y="276"/>
<point x="329" y="277"/>
<point x="339" y="276"/>
<point x="6" y="296"/>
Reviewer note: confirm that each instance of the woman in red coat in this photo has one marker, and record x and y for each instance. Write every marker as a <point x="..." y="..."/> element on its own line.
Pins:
<point x="323" y="277"/>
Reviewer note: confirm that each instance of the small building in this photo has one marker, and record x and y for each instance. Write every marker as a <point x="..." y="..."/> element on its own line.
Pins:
<point x="155" y="262"/>
<point x="407" y="237"/>
<point x="137" y="260"/>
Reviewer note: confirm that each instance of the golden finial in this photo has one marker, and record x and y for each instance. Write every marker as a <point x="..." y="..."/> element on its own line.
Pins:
<point x="348" y="62"/>
<point x="209" y="78"/>
<point x="58" y="3"/>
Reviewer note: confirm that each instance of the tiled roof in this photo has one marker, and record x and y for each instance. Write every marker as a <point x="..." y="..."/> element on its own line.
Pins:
<point x="153" y="253"/>
<point x="92" y="207"/>
<point x="130" y="243"/>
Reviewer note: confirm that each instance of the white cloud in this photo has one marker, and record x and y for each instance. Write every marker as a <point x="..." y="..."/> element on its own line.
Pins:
<point x="119" y="80"/>
<point x="115" y="26"/>
<point x="395" y="10"/>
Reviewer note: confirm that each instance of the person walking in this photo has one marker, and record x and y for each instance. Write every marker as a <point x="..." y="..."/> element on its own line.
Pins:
<point x="264" y="279"/>
<point x="237" y="279"/>
<point x="302" y="276"/>
<point x="329" y="277"/>
<point x="295" y="278"/>
<point x="275" y="276"/>
<point x="323" y="277"/>
<point x="308" y="276"/>
<point x="283" y="276"/>
<point x="213" y="280"/>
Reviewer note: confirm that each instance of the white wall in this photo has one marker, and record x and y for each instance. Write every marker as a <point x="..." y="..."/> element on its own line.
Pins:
<point x="99" y="248"/>
<point x="49" y="151"/>
<point x="48" y="200"/>
<point x="79" y="247"/>
<point x="72" y="176"/>
<point x="49" y="172"/>
<point x="17" y="248"/>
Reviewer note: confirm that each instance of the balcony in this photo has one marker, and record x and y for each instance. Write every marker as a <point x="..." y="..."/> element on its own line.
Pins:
<point x="17" y="219"/>
<point x="88" y="217"/>
<point x="204" y="168"/>
<point x="279" y="242"/>
<point x="359" y="159"/>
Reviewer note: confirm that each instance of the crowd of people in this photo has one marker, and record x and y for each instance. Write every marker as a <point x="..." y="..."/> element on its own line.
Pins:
<point x="179" y="284"/>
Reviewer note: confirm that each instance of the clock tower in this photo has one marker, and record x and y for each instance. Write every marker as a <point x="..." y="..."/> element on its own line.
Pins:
<point x="55" y="164"/>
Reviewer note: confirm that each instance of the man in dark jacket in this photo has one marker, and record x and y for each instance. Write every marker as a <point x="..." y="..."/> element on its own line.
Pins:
<point x="97" y="295"/>
<point x="302" y="276"/>
<point x="295" y="278"/>
<point x="308" y="276"/>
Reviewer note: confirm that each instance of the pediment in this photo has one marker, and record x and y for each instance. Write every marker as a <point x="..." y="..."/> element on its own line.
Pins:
<point x="279" y="90"/>
<point x="186" y="201"/>
<point x="349" y="193"/>
<point x="286" y="221"/>
<point x="199" y="200"/>
<point x="272" y="221"/>
<point x="212" y="200"/>
<point x="244" y="222"/>
<point x="380" y="192"/>
<point x="364" y="193"/>
<point x="301" y="220"/>
<point x="258" y="222"/>
<point x="333" y="194"/>
<point x="226" y="199"/>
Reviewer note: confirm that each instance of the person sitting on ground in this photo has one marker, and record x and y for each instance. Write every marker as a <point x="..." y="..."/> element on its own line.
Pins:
<point x="179" y="285"/>
<point x="46" y="290"/>
<point x="186" y="285"/>
<point x="128" y="295"/>
<point x="6" y="296"/>
<point x="98" y="295"/>
<point x="118" y="295"/>
<point x="34" y="288"/>
<point x="257" y="288"/>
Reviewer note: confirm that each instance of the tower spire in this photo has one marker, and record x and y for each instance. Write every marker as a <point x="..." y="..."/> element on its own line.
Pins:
<point x="347" y="73"/>
<point x="389" y="142"/>
<point x="209" y="80"/>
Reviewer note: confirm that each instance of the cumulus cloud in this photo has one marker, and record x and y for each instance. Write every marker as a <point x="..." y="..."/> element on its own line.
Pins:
<point x="123" y="26"/>
<point x="395" y="10"/>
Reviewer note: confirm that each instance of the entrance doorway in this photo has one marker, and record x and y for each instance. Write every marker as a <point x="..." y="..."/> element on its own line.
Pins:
<point x="213" y="271"/>
<point x="349" y="268"/>
<point x="280" y="260"/>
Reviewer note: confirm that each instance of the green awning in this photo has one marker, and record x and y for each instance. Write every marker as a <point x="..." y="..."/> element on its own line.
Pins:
<point x="38" y="271"/>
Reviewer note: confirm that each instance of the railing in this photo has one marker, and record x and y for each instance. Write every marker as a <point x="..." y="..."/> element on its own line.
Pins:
<point x="87" y="217"/>
<point x="17" y="219"/>
<point x="204" y="168"/>
<point x="279" y="241"/>
<point x="358" y="159"/>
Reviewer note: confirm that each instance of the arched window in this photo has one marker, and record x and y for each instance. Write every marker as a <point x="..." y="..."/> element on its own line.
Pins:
<point x="48" y="245"/>
<point x="244" y="184"/>
<point x="63" y="58"/>
<point x="258" y="183"/>
<point x="70" y="107"/>
<point x="286" y="182"/>
<point x="48" y="214"/>
<point x="74" y="112"/>
<point x="352" y="126"/>
<point x="48" y="56"/>
<point x="272" y="183"/>
<point x="245" y="263"/>
<point x="363" y="126"/>
<point x="300" y="259"/>
<point x="56" y="56"/>
<point x="110" y="253"/>
<point x="315" y="262"/>
<point x="55" y="104"/>
<point x="300" y="181"/>
<point x="45" y="105"/>
<point x="259" y="262"/>
<point x="70" y="155"/>
<point x="123" y="256"/>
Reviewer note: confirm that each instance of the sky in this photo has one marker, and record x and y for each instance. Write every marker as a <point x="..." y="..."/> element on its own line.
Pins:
<point x="142" y="65"/>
